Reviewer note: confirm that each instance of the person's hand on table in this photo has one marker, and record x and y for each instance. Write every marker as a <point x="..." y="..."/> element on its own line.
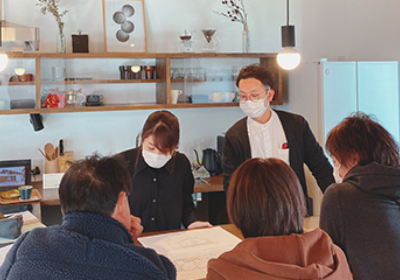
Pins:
<point x="199" y="224"/>
<point x="136" y="227"/>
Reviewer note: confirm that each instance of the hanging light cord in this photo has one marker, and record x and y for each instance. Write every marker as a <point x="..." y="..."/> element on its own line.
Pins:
<point x="287" y="12"/>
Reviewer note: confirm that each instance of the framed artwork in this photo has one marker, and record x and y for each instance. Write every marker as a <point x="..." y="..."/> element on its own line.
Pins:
<point x="124" y="26"/>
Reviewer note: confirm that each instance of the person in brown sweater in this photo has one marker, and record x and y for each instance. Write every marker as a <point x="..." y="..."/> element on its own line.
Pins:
<point x="266" y="202"/>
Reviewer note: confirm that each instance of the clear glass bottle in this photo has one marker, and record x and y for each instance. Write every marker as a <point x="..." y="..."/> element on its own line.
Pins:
<point x="61" y="48"/>
<point x="245" y="39"/>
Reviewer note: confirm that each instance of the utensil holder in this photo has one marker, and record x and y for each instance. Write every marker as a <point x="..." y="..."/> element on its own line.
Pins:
<point x="51" y="166"/>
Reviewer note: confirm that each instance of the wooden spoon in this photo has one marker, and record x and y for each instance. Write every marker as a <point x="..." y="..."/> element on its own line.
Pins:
<point x="49" y="150"/>
<point x="45" y="156"/>
<point x="56" y="153"/>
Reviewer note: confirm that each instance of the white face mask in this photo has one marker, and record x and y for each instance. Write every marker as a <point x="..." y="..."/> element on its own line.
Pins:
<point x="336" y="175"/>
<point x="155" y="160"/>
<point x="254" y="109"/>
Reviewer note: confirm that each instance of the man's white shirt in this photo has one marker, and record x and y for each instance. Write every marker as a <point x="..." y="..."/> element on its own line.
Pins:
<point x="269" y="139"/>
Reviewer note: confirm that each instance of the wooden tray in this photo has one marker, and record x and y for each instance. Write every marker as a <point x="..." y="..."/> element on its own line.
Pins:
<point x="34" y="197"/>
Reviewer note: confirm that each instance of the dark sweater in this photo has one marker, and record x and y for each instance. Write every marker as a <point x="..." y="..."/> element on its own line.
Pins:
<point x="362" y="215"/>
<point x="303" y="149"/>
<point x="85" y="246"/>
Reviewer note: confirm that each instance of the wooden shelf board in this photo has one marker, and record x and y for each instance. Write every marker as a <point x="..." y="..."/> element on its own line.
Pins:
<point x="182" y="80"/>
<point x="21" y="84"/>
<point x="134" y="55"/>
<point x="121" y="107"/>
<point x="49" y="82"/>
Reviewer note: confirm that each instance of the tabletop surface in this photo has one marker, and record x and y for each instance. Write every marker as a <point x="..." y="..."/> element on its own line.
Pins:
<point x="310" y="223"/>
<point x="50" y="196"/>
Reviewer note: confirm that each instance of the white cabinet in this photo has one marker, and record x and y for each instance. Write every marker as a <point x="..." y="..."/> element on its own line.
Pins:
<point x="378" y="88"/>
<point x="370" y="87"/>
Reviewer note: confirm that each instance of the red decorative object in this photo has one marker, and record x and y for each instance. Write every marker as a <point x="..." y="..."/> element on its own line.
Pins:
<point x="285" y="146"/>
<point x="54" y="99"/>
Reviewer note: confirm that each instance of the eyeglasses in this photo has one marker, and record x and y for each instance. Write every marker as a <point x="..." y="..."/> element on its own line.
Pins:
<point x="253" y="97"/>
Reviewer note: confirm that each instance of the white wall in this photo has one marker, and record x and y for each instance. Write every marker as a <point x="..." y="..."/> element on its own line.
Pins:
<point x="164" y="21"/>
<point x="349" y="30"/>
<point x="107" y="132"/>
<point x="110" y="132"/>
<point x="337" y="30"/>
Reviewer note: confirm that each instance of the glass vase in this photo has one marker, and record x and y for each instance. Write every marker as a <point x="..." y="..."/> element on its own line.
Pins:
<point x="245" y="39"/>
<point x="61" y="43"/>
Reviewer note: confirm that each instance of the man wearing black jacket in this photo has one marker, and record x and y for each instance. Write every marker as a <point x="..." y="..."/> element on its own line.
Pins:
<point x="268" y="133"/>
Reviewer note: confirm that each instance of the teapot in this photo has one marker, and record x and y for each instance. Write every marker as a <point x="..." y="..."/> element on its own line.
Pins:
<point x="74" y="97"/>
<point x="211" y="161"/>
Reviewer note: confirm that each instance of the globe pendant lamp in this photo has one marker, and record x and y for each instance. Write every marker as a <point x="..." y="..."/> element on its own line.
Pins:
<point x="288" y="58"/>
<point x="3" y="55"/>
<point x="3" y="60"/>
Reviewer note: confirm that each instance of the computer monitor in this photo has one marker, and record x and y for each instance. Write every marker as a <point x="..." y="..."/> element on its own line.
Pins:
<point x="14" y="173"/>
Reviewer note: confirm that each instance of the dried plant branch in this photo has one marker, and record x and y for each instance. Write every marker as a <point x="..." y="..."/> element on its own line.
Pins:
<point x="236" y="11"/>
<point x="51" y="6"/>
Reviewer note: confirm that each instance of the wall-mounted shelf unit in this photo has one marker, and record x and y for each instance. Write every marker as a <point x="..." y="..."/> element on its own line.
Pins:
<point x="206" y="80"/>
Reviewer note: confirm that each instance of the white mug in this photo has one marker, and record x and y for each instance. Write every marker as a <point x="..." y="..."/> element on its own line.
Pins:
<point x="174" y="95"/>
<point x="217" y="96"/>
<point x="228" y="96"/>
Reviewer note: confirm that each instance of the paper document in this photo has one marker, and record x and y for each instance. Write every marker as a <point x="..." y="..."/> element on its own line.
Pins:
<point x="29" y="218"/>
<point x="3" y="253"/>
<point x="52" y="180"/>
<point x="190" y="250"/>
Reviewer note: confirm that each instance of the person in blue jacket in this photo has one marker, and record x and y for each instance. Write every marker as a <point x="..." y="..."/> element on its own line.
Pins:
<point x="96" y="237"/>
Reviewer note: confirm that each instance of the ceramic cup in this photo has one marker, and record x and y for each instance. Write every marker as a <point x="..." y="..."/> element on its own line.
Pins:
<point x="217" y="96"/>
<point x="4" y="104"/>
<point x="149" y="71"/>
<point x="94" y="98"/>
<point x="175" y="95"/>
<point x="25" y="192"/>
<point x="228" y="97"/>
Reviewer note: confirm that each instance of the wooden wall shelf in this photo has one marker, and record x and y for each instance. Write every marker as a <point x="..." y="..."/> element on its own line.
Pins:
<point x="92" y="82"/>
<point x="163" y="83"/>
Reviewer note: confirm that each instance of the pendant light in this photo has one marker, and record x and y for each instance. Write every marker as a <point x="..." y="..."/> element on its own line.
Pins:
<point x="288" y="58"/>
<point x="3" y="55"/>
<point x="3" y="60"/>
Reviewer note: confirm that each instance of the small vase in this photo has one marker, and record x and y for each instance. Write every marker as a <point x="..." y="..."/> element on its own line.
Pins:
<point x="61" y="43"/>
<point x="245" y="39"/>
